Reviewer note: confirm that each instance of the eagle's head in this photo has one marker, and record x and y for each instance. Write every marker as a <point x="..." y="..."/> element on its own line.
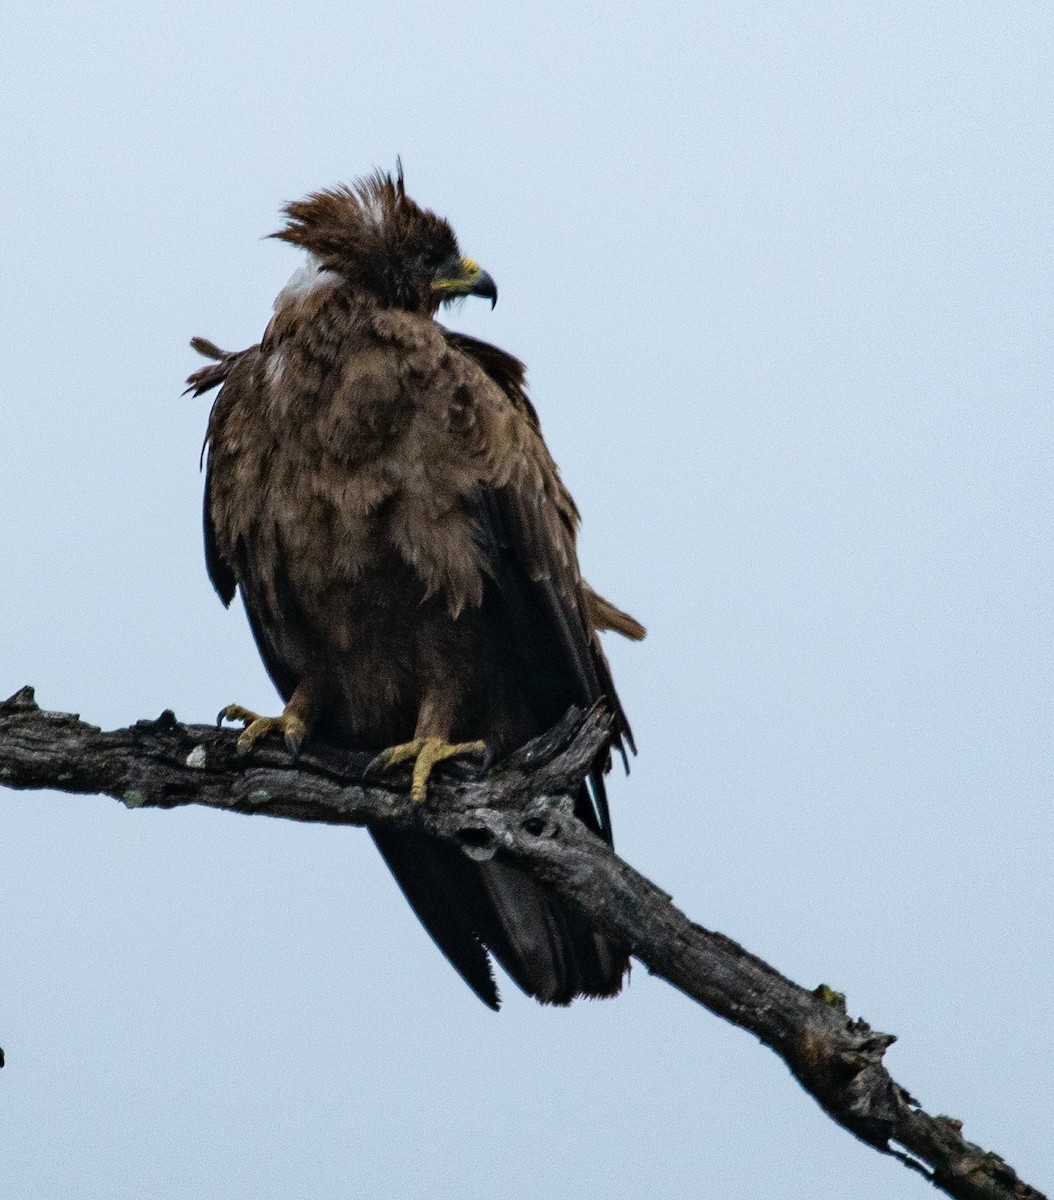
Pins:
<point x="382" y="243"/>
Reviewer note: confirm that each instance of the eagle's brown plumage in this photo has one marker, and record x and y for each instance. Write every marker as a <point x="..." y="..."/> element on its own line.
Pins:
<point x="378" y="489"/>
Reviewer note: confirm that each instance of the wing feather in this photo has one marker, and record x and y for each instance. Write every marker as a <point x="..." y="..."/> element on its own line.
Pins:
<point x="220" y="569"/>
<point x="528" y="523"/>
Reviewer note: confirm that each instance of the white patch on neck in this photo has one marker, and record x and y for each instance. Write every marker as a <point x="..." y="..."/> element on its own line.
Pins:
<point x="309" y="276"/>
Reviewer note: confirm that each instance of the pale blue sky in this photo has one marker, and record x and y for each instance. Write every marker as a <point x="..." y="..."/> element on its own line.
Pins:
<point x="780" y="274"/>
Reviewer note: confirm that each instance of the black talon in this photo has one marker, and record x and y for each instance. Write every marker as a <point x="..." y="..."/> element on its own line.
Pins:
<point x="374" y="766"/>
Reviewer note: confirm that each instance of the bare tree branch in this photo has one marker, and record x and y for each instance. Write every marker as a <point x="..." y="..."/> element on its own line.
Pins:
<point x="522" y="809"/>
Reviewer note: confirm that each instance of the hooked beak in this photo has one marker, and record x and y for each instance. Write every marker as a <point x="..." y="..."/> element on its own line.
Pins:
<point x="464" y="278"/>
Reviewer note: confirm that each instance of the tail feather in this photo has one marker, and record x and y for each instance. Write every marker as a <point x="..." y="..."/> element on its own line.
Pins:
<point x="435" y="882"/>
<point x="474" y="910"/>
<point x="557" y="955"/>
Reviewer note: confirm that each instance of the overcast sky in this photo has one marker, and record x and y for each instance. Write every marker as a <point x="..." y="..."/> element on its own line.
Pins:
<point x="781" y="276"/>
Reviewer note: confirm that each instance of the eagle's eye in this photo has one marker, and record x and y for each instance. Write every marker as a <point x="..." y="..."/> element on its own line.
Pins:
<point x="434" y="259"/>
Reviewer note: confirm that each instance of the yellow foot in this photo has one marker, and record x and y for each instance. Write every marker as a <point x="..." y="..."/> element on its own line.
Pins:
<point x="290" y="726"/>
<point x="425" y="753"/>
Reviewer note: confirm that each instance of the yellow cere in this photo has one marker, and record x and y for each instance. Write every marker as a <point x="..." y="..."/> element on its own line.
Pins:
<point x="469" y="271"/>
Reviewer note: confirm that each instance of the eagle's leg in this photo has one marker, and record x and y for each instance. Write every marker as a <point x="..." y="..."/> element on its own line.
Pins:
<point x="295" y="723"/>
<point x="429" y="746"/>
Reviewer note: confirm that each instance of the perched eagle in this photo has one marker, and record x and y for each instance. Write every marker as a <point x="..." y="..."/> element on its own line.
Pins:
<point x="379" y="491"/>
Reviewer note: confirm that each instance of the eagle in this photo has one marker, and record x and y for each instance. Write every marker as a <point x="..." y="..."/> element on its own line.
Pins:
<point x="378" y="490"/>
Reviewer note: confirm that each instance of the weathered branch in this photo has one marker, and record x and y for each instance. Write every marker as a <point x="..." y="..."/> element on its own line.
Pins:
<point x="522" y="809"/>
